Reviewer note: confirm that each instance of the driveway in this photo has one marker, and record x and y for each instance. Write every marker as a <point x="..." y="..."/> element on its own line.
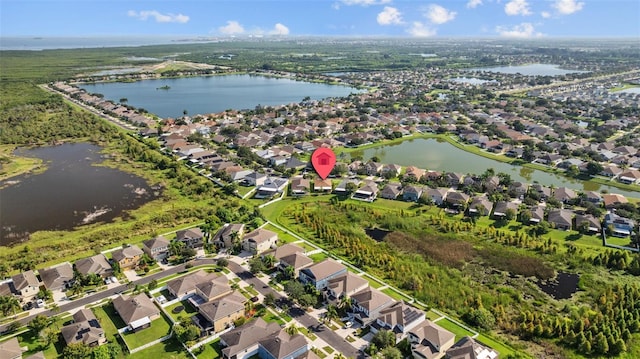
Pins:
<point x="334" y="340"/>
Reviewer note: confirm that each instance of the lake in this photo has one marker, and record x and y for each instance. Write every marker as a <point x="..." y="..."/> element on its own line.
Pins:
<point x="439" y="155"/>
<point x="472" y="80"/>
<point x="212" y="94"/>
<point x="529" y="70"/>
<point x="69" y="193"/>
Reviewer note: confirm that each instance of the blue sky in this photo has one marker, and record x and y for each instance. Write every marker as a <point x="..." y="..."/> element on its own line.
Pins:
<point x="443" y="18"/>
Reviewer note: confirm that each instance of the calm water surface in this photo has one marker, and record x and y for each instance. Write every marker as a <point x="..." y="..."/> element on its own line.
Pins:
<point x="211" y="94"/>
<point x="439" y="155"/>
<point x="71" y="192"/>
<point x="530" y="70"/>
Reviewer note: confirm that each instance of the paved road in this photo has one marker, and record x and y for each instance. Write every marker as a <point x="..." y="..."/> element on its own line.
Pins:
<point x="330" y="337"/>
<point x="81" y="302"/>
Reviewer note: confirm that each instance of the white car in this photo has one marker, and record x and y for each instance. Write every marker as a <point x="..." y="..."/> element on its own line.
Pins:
<point x="39" y="303"/>
<point x="348" y="324"/>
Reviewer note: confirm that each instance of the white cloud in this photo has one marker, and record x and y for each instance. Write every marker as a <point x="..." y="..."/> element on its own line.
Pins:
<point x="545" y="14"/>
<point x="517" y="7"/>
<point x="439" y="15"/>
<point x="567" y="7"/>
<point x="159" y="17"/>
<point x="522" y="31"/>
<point x="472" y="4"/>
<point x="279" y="29"/>
<point x="389" y="16"/>
<point x="365" y="2"/>
<point x="418" y="29"/>
<point x="232" y="28"/>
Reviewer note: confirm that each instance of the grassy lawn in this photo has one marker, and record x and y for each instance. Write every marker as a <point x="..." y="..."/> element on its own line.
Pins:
<point x="373" y="282"/>
<point x="210" y="350"/>
<point x="319" y="353"/>
<point x="243" y="190"/>
<point x="307" y="333"/>
<point x="454" y="328"/>
<point x="112" y="316"/>
<point x="106" y="322"/>
<point x="432" y="315"/>
<point x="170" y="348"/>
<point x="282" y="236"/>
<point x="159" y="328"/>
<point x="34" y="345"/>
<point x="318" y="257"/>
<point x="618" y="241"/>
<point x="328" y="349"/>
<point x="273" y="317"/>
<point x="186" y="313"/>
<point x="251" y="290"/>
<point x="395" y="295"/>
<point x="501" y="348"/>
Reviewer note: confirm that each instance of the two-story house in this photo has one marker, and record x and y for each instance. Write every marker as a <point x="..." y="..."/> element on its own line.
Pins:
<point x="259" y="240"/>
<point x="430" y="341"/>
<point x="127" y="257"/>
<point x="156" y="248"/>
<point x="367" y="304"/>
<point x="320" y="273"/>
<point x="192" y="237"/>
<point x="85" y="329"/>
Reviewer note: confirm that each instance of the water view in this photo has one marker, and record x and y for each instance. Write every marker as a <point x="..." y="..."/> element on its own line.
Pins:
<point x="439" y="155"/>
<point x="472" y="80"/>
<point x="71" y="192"/>
<point x="211" y="94"/>
<point x="529" y="70"/>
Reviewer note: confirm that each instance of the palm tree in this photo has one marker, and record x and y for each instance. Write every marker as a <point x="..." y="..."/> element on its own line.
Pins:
<point x="344" y="302"/>
<point x="292" y="329"/>
<point x="269" y="260"/>
<point x="9" y="304"/>
<point x="332" y="312"/>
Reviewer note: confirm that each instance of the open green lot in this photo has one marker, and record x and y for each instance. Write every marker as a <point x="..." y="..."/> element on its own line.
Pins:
<point x="170" y="348"/>
<point x="158" y="329"/>
<point x="454" y="328"/>
<point x="210" y="350"/>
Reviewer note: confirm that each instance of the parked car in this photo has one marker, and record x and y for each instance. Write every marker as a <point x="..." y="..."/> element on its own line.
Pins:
<point x="39" y="303"/>
<point x="348" y="324"/>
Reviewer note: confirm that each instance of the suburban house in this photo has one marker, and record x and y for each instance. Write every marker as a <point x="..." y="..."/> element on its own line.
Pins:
<point x="156" y="248"/>
<point x="391" y="170"/>
<point x="367" y="193"/>
<point x="266" y="340"/>
<point x="322" y="185"/>
<point x="210" y="289"/>
<point x="259" y="240"/>
<point x="85" y="329"/>
<point x="345" y="285"/>
<point x="136" y="311"/>
<point x="341" y="188"/>
<point x="271" y="187"/>
<point x="593" y="197"/>
<point x="283" y="251"/>
<point x="192" y="237"/>
<point x="373" y="168"/>
<point x="412" y="193"/>
<point x="185" y="286"/>
<point x="430" y="341"/>
<point x="320" y="273"/>
<point x="59" y="277"/>
<point x="537" y="215"/>
<point x="519" y="188"/>
<point x="501" y="208"/>
<point x="561" y="219"/>
<point x="297" y="261"/>
<point x="398" y="318"/>
<point x="127" y="257"/>
<point x="228" y="234"/>
<point x="618" y="226"/>
<point x="438" y="195"/>
<point x="613" y="199"/>
<point x="457" y="199"/>
<point x="367" y="304"/>
<point x="391" y="191"/>
<point x="414" y="173"/>
<point x="591" y="223"/>
<point x="255" y="179"/>
<point x="10" y="349"/>
<point x="219" y="314"/>
<point x="480" y="206"/>
<point x="564" y="194"/>
<point x="26" y="285"/>
<point x="300" y="186"/>
<point x="629" y="176"/>
<point x="97" y="264"/>
<point x="469" y="348"/>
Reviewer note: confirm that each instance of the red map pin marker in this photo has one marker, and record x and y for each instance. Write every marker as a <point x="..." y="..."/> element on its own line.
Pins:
<point x="323" y="161"/>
